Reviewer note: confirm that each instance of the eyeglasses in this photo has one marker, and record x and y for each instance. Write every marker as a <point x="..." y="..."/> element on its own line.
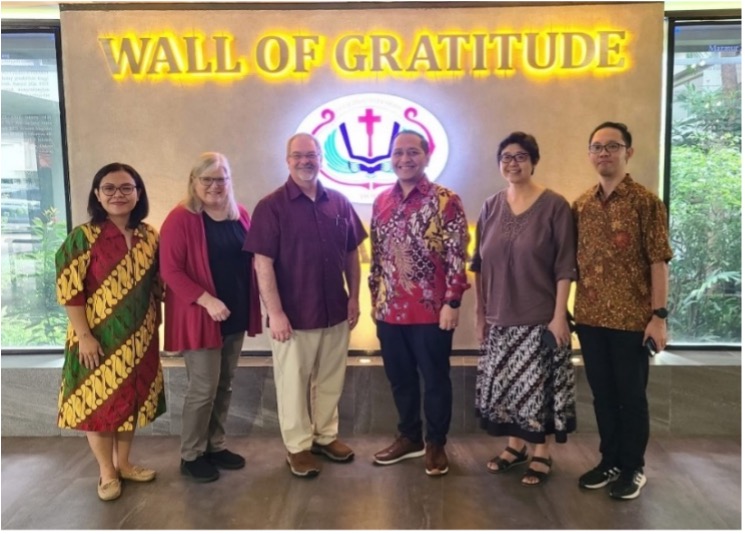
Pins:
<point x="310" y="155"/>
<point x="110" y="189"/>
<point x="209" y="180"/>
<point x="519" y="157"/>
<point x="411" y="152"/>
<point x="597" y="148"/>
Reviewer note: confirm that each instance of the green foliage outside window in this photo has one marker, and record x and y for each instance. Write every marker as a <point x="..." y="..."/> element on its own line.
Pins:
<point x="34" y="319"/>
<point x="705" y="218"/>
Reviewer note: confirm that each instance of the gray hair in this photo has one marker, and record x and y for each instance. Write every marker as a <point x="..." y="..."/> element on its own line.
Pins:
<point x="206" y="161"/>
<point x="302" y="134"/>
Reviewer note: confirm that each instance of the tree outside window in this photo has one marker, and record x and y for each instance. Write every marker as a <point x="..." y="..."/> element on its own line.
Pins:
<point x="705" y="185"/>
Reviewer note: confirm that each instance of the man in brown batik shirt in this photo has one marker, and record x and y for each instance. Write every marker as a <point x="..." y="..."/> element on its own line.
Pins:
<point x="622" y="254"/>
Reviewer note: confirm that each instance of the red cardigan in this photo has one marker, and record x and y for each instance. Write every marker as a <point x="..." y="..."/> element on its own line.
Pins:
<point x="185" y="268"/>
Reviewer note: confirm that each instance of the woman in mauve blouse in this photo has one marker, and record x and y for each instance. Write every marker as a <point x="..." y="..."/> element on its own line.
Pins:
<point x="524" y="264"/>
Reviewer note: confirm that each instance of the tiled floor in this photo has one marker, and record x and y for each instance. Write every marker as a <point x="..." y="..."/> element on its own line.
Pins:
<point x="49" y="483"/>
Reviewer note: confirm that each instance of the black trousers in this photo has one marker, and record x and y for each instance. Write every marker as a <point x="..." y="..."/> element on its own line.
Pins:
<point x="407" y="351"/>
<point x="617" y="367"/>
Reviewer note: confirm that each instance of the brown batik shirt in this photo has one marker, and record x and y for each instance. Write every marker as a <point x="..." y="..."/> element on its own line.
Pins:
<point x="618" y="239"/>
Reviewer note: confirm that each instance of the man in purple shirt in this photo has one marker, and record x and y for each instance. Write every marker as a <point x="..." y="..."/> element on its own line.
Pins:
<point x="305" y="238"/>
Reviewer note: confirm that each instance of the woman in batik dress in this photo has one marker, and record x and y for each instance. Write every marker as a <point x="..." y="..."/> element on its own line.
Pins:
<point x="524" y="264"/>
<point x="107" y="280"/>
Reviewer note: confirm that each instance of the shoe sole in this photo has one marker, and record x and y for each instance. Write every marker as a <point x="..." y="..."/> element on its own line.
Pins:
<point x="512" y="464"/>
<point x="600" y="485"/>
<point x="201" y="480"/>
<point x="136" y="479"/>
<point x="632" y="495"/>
<point x="341" y="459"/>
<point x="436" y="472"/>
<point x="307" y="474"/>
<point x="110" y="498"/>
<point x="415" y="454"/>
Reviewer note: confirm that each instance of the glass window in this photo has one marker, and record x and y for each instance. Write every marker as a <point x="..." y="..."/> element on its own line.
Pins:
<point x="33" y="221"/>
<point x="705" y="183"/>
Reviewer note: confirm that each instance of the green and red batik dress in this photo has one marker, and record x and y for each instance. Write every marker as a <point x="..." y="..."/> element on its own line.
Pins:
<point x="120" y="289"/>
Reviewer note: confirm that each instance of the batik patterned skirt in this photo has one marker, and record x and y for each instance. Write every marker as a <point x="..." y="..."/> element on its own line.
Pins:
<point x="524" y="389"/>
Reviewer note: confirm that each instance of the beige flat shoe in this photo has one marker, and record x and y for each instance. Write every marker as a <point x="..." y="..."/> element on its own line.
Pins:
<point x="138" y="474"/>
<point x="109" y="491"/>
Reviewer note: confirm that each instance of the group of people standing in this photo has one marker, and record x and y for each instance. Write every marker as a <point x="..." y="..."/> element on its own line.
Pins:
<point x="299" y="254"/>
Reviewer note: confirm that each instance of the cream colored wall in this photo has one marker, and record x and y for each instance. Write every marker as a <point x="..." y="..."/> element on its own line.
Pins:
<point x="160" y="127"/>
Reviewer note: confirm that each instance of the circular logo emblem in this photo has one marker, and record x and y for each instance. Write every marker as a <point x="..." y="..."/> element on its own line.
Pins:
<point x="356" y="134"/>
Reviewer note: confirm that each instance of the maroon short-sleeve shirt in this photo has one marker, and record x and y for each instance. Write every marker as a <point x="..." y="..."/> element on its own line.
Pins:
<point x="309" y="242"/>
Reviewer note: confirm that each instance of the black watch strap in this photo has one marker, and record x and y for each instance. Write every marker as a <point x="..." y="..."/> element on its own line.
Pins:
<point x="660" y="312"/>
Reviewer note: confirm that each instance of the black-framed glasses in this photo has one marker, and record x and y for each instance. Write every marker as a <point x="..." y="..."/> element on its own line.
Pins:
<point x="110" y="189"/>
<point x="597" y="148"/>
<point x="520" y="157"/>
<point x="209" y="180"/>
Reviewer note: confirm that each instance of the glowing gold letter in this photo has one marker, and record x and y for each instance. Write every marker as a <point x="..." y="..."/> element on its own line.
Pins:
<point x="135" y="63"/>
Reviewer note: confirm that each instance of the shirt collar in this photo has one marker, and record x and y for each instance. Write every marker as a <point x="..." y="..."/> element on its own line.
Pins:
<point x="423" y="187"/>
<point x="294" y="191"/>
<point x="622" y="189"/>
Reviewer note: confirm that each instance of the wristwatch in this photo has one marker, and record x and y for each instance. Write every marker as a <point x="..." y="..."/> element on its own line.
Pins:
<point x="455" y="304"/>
<point x="660" y="312"/>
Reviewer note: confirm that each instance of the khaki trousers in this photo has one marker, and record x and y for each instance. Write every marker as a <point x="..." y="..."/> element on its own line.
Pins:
<point x="310" y="367"/>
<point x="210" y="374"/>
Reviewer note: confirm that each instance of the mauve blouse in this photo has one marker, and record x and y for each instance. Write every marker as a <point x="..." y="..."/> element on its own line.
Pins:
<point x="522" y="257"/>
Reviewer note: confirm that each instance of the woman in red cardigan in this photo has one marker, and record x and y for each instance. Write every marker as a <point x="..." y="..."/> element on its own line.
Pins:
<point x="212" y="300"/>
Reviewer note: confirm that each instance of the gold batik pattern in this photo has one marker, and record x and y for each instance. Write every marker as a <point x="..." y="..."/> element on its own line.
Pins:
<point x="71" y="280"/>
<point x="104" y="380"/>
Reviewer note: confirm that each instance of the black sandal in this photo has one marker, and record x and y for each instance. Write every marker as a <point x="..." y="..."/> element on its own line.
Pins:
<point x="520" y="458"/>
<point x="540" y="475"/>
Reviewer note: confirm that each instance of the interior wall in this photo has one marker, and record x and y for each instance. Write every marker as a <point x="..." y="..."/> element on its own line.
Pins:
<point x="161" y="123"/>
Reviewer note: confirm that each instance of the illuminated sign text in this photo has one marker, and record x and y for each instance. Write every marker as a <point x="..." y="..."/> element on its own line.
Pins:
<point x="287" y="56"/>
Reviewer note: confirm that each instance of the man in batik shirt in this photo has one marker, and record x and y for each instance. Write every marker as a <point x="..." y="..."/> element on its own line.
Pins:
<point x="417" y="279"/>
<point x="622" y="254"/>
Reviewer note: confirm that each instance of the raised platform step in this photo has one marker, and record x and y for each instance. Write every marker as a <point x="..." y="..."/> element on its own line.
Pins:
<point x="685" y="400"/>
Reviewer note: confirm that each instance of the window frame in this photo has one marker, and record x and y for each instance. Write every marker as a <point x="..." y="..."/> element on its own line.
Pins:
<point x="673" y="20"/>
<point x="15" y="26"/>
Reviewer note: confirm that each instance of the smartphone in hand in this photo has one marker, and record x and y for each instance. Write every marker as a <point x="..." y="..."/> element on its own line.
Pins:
<point x="651" y="346"/>
<point x="548" y="340"/>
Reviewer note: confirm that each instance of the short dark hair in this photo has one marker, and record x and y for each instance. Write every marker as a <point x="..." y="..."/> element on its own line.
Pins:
<point x="141" y="209"/>
<point x="526" y="141"/>
<point x="621" y="127"/>
<point x="422" y="139"/>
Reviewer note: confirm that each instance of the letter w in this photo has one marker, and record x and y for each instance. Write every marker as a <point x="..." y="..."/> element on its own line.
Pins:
<point x="127" y="56"/>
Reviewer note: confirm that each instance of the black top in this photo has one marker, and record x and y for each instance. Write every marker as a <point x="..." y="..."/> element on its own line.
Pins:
<point x="230" y="267"/>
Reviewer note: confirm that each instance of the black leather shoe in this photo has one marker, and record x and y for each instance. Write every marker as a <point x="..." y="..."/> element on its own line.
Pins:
<point x="226" y="459"/>
<point x="200" y="470"/>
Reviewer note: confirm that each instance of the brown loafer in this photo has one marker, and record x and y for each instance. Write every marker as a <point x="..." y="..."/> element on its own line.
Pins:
<point x="303" y="464"/>
<point x="435" y="460"/>
<point x="336" y="451"/>
<point x="138" y="474"/>
<point x="109" y="491"/>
